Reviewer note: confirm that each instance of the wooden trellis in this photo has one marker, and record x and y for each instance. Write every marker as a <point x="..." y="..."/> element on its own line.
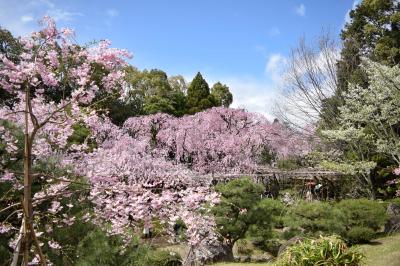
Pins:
<point x="275" y="179"/>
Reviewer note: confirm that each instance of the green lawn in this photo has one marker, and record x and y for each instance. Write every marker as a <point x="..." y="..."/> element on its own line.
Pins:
<point x="383" y="251"/>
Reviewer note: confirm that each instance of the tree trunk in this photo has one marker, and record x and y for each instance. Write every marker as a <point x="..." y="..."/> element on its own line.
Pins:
<point x="27" y="200"/>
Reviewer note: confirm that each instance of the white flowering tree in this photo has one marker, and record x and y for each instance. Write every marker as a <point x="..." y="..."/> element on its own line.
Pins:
<point x="370" y="120"/>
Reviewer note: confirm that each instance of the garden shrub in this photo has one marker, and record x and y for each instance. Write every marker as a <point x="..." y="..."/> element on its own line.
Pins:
<point x="261" y="234"/>
<point x="359" y="234"/>
<point x="361" y="219"/>
<point x="322" y="251"/>
<point x="313" y="218"/>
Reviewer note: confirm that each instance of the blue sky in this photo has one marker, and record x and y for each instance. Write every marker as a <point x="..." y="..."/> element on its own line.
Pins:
<point x="243" y="43"/>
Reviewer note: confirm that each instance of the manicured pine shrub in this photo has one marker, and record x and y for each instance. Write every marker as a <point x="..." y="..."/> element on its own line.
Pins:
<point x="361" y="219"/>
<point x="313" y="218"/>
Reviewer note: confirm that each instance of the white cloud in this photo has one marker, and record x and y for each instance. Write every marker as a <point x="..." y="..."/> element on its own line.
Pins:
<point x="112" y="13"/>
<point x="26" y="18"/>
<point x="300" y="10"/>
<point x="275" y="65"/>
<point x="252" y="94"/>
<point x="62" y="15"/>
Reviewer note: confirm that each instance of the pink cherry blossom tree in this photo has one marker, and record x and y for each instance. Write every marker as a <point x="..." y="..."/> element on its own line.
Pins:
<point x="51" y="62"/>
<point x="218" y="140"/>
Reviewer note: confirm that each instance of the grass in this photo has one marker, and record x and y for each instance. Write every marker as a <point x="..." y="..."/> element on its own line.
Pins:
<point x="383" y="251"/>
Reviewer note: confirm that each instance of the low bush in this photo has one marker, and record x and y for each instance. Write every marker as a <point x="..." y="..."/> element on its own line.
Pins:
<point x="322" y="251"/>
<point x="359" y="234"/>
<point x="313" y="218"/>
<point x="360" y="219"/>
<point x="355" y="220"/>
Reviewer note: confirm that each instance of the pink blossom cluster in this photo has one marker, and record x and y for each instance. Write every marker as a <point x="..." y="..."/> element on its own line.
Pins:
<point x="50" y="62"/>
<point x="130" y="183"/>
<point x="217" y="140"/>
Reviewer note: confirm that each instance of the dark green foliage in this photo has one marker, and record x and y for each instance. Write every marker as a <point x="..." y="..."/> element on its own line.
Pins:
<point x="375" y="30"/>
<point x="264" y="235"/>
<point x="198" y="95"/>
<point x="96" y="248"/>
<point x="240" y="209"/>
<point x="314" y="218"/>
<point x="158" y="104"/>
<point x="79" y="135"/>
<point x="151" y="92"/>
<point x="362" y="212"/>
<point x="356" y="220"/>
<point x="272" y="246"/>
<point x="119" y="110"/>
<point x="10" y="47"/>
<point x="267" y="156"/>
<point x="197" y="90"/>
<point x="360" y="234"/>
<point x="222" y="94"/>
<point x="322" y="251"/>
<point x="361" y="218"/>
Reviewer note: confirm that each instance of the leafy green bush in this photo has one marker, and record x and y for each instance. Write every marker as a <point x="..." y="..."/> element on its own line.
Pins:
<point x="356" y="220"/>
<point x="313" y="218"/>
<point x="360" y="218"/>
<point x="323" y="251"/>
<point x="360" y="234"/>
